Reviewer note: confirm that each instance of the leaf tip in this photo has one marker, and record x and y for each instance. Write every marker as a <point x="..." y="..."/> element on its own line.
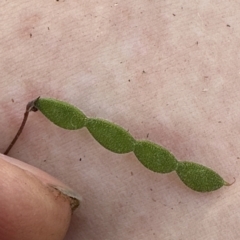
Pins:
<point x="227" y="184"/>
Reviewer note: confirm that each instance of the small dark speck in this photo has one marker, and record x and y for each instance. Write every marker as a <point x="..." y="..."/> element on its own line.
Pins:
<point x="131" y="173"/>
<point x="80" y="159"/>
<point x="151" y="189"/>
<point x="143" y="71"/>
<point x="12" y="100"/>
<point x="147" y="135"/>
<point x="219" y="121"/>
<point x="197" y="42"/>
<point x="45" y="160"/>
<point x="48" y="28"/>
<point x="30" y="35"/>
<point x="129" y="80"/>
<point x="57" y="0"/>
<point x="228" y="25"/>
<point x="174" y="14"/>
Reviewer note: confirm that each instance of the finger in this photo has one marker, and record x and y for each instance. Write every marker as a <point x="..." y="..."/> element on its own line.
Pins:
<point x="33" y="205"/>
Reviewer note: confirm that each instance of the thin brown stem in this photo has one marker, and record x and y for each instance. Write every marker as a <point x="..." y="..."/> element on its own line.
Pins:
<point x="18" y="133"/>
<point x="30" y="107"/>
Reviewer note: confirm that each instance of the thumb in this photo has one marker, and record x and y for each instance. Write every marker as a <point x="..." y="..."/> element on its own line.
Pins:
<point x="33" y="205"/>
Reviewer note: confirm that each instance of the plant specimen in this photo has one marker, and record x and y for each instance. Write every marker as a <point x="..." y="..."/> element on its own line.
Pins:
<point x="118" y="140"/>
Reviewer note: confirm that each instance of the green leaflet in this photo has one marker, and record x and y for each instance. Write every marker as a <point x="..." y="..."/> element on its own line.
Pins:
<point x="61" y="113"/>
<point x="199" y="177"/>
<point x="118" y="140"/>
<point x="155" y="157"/>
<point x="110" y="136"/>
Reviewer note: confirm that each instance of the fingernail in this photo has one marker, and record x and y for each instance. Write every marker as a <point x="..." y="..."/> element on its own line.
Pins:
<point x="74" y="199"/>
<point x="48" y="180"/>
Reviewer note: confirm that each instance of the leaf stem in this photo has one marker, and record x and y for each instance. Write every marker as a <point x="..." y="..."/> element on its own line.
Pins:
<point x="30" y="107"/>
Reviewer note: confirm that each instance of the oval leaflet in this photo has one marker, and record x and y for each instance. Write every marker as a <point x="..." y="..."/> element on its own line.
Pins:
<point x="110" y="136"/>
<point x="155" y="157"/>
<point x="61" y="113"/>
<point x="199" y="177"/>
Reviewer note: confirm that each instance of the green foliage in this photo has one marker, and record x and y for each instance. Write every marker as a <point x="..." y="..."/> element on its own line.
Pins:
<point x="198" y="177"/>
<point x="61" y="113"/>
<point x="110" y="136"/>
<point x="118" y="140"/>
<point x="155" y="157"/>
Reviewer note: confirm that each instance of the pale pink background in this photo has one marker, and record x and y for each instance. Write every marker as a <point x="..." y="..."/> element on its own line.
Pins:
<point x="166" y="70"/>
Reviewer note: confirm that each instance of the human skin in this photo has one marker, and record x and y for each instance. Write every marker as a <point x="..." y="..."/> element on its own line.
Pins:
<point x="167" y="72"/>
